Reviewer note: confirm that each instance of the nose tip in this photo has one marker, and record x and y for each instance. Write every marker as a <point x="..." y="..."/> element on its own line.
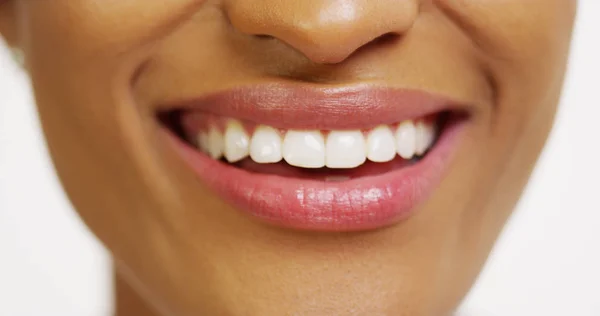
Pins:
<point x="325" y="31"/>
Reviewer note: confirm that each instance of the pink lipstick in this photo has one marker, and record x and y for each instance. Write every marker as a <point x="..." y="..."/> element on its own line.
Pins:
<point x="327" y="159"/>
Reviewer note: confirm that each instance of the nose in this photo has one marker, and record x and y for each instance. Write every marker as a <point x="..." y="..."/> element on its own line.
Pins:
<point x="325" y="31"/>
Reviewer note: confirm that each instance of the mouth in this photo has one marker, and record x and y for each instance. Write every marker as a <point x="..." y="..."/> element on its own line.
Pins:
<point x="336" y="159"/>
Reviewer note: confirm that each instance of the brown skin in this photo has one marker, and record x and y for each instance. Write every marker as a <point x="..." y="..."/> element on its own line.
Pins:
<point x="100" y="70"/>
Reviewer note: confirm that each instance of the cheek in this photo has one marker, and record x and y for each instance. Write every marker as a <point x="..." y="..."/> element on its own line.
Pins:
<point x="74" y="71"/>
<point x="104" y="30"/>
<point x="524" y="46"/>
<point x="513" y="29"/>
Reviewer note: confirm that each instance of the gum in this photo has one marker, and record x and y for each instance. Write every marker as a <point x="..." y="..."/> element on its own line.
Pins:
<point x="199" y="122"/>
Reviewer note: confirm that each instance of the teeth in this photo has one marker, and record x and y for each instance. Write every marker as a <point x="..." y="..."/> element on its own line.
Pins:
<point x="215" y="143"/>
<point x="425" y="137"/>
<point x="304" y="149"/>
<point x="237" y="142"/>
<point x="310" y="149"/>
<point x="265" y="146"/>
<point x="381" y="145"/>
<point x="202" y="141"/>
<point x="406" y="134"/>
<point x="346" y="149"/>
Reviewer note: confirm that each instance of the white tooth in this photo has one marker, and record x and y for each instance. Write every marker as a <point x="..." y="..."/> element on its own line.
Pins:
<point x="406" y="136"/>
<point x="215" y="143"/>
<point x="202" y="141"/>
<point x="425" y="137"/>
<point x="237" y="141"/>
<point x="381" y="144"/>
<point x="345" y="149"/>
<point x="304" y="149"/>
<point x="431" y="135"/>
<point x="265" y="146"/>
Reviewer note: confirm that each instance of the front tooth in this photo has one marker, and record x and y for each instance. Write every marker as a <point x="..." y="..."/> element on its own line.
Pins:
<point x="237" y="142"/>
<point x="345" y="149"/>
<point x="215" y="143"/>
<point x="305" y="149"/>
<point x="265" y="146"/>
<point x="425" y="137"/>
<point x="406" y="136"/>
<point x="381" y="144"/>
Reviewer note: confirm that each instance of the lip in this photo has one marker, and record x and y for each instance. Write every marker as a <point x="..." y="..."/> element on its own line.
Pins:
<point x="362" y="203"/>
<point x="323" y="108"/>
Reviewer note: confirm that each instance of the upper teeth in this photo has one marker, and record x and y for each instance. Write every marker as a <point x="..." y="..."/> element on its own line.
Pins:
<point x="312" y="149"/>
<point x="265" y="146"/>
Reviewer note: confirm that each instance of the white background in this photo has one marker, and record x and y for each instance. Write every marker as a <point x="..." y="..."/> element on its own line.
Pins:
<point x="547" y="262"/>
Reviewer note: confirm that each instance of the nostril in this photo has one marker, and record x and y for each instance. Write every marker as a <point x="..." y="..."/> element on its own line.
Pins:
<point x="385" y="38"/>
<point x="264" y="36"/>
<point x="378" y="42"/>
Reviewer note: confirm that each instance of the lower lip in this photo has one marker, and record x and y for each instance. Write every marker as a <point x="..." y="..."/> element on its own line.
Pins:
<point x="363" y="203"/>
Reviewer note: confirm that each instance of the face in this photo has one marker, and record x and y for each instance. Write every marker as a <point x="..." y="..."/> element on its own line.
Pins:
<point x="316" y="157"/>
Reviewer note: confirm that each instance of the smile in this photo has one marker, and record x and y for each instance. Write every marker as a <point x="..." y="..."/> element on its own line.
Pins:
<point x="336" y="159"/>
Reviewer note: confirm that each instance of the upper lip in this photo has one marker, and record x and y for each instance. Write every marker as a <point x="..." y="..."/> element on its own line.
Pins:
<point x="294" y="106"/>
